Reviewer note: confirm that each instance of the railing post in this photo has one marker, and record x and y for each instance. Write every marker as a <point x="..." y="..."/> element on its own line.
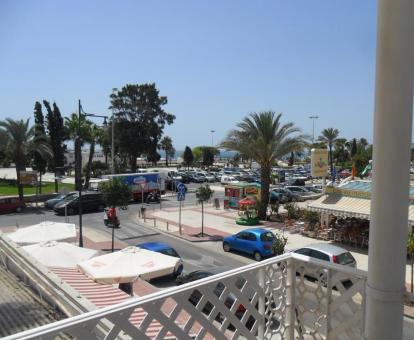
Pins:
<point x="262" y="305"/>
<point x="328" y="301"/>
<point x="290" y="298"/>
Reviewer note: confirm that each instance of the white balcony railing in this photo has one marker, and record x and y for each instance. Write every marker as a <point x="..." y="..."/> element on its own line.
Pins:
<point x="286" y="297"/>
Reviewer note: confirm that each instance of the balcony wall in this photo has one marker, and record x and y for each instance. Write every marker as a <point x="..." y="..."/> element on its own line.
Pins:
<point x="287" y="297"/>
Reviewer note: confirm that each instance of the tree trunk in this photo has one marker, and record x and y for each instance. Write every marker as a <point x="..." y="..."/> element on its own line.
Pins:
<point x="331" y="160"/>
<point x="202" y="218"/>
<point x="264" y="194"/>
<point x="106" y="158"/>
<point x="166" y="159"/>
<point x="89" y="168"/>
<point x="133" y="163"/>
<point x="19" y="186"/>
<point x="56" y="183"/>
<point x="40" y="183"/>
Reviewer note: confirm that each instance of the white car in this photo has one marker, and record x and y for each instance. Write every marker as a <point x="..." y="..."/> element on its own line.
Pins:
<point x="225" y="179"/>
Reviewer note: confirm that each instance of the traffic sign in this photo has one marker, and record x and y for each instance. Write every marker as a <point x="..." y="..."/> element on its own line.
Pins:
<point x="181" y="188"/>
<point x="180" y="196"/>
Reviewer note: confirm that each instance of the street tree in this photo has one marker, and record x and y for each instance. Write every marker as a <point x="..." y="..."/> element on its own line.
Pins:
<point x="188" y="156"/>
<point x="71" y="128"/>
<point x="203" y="194"/>
<point x="208" y="154"/>
<point x="140" y="119"/>
<point x="39" y="162"/>
<point x="167" y="146"/>
<point x="21" y="142"/>
<point x="197" y="155"/>
<point x="115" y="193"/>
<point x="92" y="135"/>
<point x="329" y="137"/>
<point x="56" y="135"/>
<point x="263" y="138"/>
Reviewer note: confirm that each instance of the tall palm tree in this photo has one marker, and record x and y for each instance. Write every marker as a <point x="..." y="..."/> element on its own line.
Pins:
<point x="71" y="132"/>
<point x="263" y="138"/>
<point x="167" y="146"/>
<point x="21" y="142"/>
<point x="93" y="135"/>
<point x="329" y="137"/>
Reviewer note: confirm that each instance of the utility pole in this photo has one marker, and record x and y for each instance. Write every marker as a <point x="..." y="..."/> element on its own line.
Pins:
<point x="313" y="127"/>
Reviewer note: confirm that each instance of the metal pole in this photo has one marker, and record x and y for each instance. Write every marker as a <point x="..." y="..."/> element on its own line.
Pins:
<point x="79" y="174"/>
<point x="391" y="178"/>
<point x="113" y="143"/>
<point x="179" y="220"/>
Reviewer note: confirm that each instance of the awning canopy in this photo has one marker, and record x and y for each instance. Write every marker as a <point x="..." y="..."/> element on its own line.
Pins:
<point x="343" y="206"/>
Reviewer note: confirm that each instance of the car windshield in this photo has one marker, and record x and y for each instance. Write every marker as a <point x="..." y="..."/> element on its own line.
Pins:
<point x="345" y="258"/>
<point x="169" y="252"/>
<point x="267" y="237"/>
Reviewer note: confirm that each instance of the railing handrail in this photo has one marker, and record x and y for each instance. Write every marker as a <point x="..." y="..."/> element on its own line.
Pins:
<point x="98" y="314"/>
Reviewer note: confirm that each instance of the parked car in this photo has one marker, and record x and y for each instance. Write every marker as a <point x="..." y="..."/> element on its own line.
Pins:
<point x="255" y="241"/>
<point x="226" y="179"/>
<point x="91" y="201"/>
<point x="277" y="196"/>
<point x="316" y="188"/>
<point x="50" y="204"/>
<point x="10" y="204"/>
<point x="184" y="177"/>
<point x="290" y="195"/>
<point x="196" y="178"/>
<point x="172" y="185"/>
<point x="210" y="177"/>
<point x="327" y="252"/>
<point x="303" y="192"/>
<point x="196" y="275"/>
<point x="166" y="249"/>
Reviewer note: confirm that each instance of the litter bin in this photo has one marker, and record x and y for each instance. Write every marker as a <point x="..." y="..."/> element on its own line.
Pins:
<point x="143" y="211"/>
<point x="216" y="203"/>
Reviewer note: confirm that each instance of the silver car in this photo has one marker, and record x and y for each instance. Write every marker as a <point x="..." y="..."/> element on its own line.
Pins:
<point x="325" y="252"/>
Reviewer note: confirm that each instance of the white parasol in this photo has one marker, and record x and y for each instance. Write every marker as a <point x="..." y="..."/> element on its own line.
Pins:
<point x="127" y="265"/>
<point x="59" y="254"/>
<point x="44" y="232"/>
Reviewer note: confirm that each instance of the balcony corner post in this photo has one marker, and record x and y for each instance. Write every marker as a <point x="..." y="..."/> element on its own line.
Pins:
<point x="290" y="298"/>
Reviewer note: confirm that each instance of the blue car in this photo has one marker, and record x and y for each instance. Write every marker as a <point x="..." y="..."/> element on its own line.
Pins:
<point x="255" y="241"/>
<point x="166" y="249"/>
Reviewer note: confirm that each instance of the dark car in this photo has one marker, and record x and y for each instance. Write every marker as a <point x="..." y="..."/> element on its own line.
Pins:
<point x="172" y="185"/>
<point x="10" y="204"/>
<point x="50" y="204"/>
<point x="91" y="201"/>
<point x="166" y="249"/>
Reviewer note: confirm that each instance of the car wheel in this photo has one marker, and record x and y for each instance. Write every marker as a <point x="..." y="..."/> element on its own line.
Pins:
<point x="257" y="256"/>
<point x="226" y="247"/>
<point x="18" y="209"/>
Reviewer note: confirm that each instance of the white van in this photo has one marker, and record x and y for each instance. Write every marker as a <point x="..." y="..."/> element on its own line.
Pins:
<point x="225" y="179"/>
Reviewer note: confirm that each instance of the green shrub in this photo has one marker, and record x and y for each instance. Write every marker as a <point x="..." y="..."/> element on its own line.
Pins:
<point x="293" y="212"/>
<point x="279" y="243"/>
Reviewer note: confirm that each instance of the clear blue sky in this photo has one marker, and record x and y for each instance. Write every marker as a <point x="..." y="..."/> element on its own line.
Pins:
<point x="216" y="61"/>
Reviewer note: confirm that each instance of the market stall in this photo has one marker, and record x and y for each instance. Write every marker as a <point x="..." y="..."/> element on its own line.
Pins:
<point x="247" y="212"/>
<point x="235" y="192"/>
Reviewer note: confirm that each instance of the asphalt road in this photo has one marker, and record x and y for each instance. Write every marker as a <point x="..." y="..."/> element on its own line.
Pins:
<point x="196" y="256"/>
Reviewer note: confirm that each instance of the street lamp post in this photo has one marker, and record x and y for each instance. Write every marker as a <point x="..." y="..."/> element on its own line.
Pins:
<point x="212" y="137"/>
<point x="113" y="138"/>
<point x="78" y="163"/>
<point x="313" y="127"/>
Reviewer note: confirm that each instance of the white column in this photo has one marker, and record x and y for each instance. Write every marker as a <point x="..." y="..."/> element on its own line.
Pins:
<point x="391" y="161"/>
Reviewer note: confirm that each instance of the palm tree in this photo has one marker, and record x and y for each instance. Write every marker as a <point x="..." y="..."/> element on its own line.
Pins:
<point x="93" y="135"/>
<point x="71" y="132"/>
<point x="20" y="143"/>
<point x="329" y="137"/>
<point x="263" y="138"/>
<point x="166" y="145"/>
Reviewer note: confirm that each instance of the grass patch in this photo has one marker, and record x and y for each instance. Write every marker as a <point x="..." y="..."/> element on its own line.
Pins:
<point x="7" y="189"/>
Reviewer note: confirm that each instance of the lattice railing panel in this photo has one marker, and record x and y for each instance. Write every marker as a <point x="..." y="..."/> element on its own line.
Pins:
<point x="289" y="297"/>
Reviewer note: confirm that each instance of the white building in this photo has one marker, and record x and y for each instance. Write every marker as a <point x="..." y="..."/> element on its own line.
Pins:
<point x="70" y="157"/>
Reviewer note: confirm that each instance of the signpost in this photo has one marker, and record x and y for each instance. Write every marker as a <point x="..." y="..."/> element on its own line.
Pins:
<point x="180" y="198"/>
<point x="319" y="164"/>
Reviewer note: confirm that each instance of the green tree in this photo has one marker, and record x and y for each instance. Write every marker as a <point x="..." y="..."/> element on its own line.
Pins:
<point x="354" y="148"/>
<point x="92" y="137"/>
<point x="197" y="154"/>
<point x="341" y="154"/>
<point x="203" y="194"/>
<point x="167" y="146"/>
<point x="141" y="119"/>
<point x="105" y="141"/>
<point x="264" y="139"/>
<point x="21" y="143"/>
<point x="56" y="134"/>
<point x="39" y="163"/>
<point x="115" y="194"/>
<point x="153" y="156"/>
<point x="329" y="137"/>
<point x="98" y="168"/>
<point x="208" y="154"/>
<point x="188" y="156"/>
